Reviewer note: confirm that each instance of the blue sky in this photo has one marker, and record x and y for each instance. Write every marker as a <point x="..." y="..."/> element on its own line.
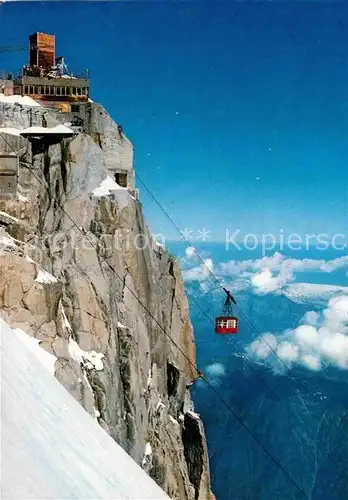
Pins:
<point x="237" y="111"/>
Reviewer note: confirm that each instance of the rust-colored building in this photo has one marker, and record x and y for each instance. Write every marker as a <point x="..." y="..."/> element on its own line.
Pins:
<point x="46" y="78"/>
<point x="42" y="50"/>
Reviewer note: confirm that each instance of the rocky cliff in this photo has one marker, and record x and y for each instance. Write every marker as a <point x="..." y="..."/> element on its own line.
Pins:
<point x="81" y="272"/>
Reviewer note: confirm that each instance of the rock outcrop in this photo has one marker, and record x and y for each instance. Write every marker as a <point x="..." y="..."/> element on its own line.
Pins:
<point x="81" y="272"/>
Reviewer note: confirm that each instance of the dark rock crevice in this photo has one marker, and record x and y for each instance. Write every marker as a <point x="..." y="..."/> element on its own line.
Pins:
<point x="173" y="377"/>
<point x="193" y="450"/>
<point x="125" y="348"/>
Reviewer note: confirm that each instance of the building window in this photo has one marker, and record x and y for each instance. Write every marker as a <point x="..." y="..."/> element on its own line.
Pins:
<point x="26" y="89"/>
<point x="121" y="179"/>
<point x="58" y="90"/>
<point x="31" y="89"/>
<point x="75" y="108"/>
<point x="51" y="90"/>
<point x="74" y="90"/>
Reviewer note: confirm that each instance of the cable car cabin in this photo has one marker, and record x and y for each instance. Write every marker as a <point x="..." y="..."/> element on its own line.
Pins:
<point x="226" y="324"/>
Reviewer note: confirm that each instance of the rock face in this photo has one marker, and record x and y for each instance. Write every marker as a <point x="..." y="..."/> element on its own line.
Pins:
<point x="81" y="273"/>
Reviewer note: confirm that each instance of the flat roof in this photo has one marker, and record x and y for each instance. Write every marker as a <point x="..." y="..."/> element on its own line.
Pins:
<point x="40" y="131"/>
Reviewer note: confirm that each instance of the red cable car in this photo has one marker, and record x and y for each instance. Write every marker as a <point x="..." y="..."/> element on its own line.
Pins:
<point x="227" y="323"/>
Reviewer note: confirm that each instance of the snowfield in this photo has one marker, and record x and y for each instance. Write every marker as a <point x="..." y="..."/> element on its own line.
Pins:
<point x="50" y="447"/>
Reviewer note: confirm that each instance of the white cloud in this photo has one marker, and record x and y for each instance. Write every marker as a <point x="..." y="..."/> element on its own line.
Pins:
<point x="306" y="335"/>
<point x="273" y="274"/>
<point x="216" y="370"/>
<point x="201" y="272"/>
<point x="266" y="282"/>
<point x="264" y="346"/>
<point x="320" y="341"/>
<point x="311" y="362"/>
<point x="190" y="252"/>
<point x="288" y="352"/>
<point x="311" y="318"/>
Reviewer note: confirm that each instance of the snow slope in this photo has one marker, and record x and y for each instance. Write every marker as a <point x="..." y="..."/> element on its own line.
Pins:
<point x="50" y="447"/>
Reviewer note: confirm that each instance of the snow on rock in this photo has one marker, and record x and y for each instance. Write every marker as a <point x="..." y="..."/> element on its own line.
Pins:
<point x="45" y="277"/>
<point x="29" y="259"/>
<point x="119" y="325"/>
<point x="21" y="197"/>
<point x="147" y="460"/>
<point x="46" y="359"/>
<point x="160" y="408"/>
<point x="53" y="447"/>
<point x="149" y="379"/>
<point x="194" y="415"/>
<point x="148" y="449"/>
<point x="65" y="320"/>
<point x="172" y="419"/>
<point x="18" y="99"/>
<point x="10" y="130"/>
<point x="8" y="216"/>
<point x="57" y="130"/>
<point x="109" y="187"/>
<point x="6" y="240"/>
<point x="90" y="359"/>
<point x="105" y="187"/>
